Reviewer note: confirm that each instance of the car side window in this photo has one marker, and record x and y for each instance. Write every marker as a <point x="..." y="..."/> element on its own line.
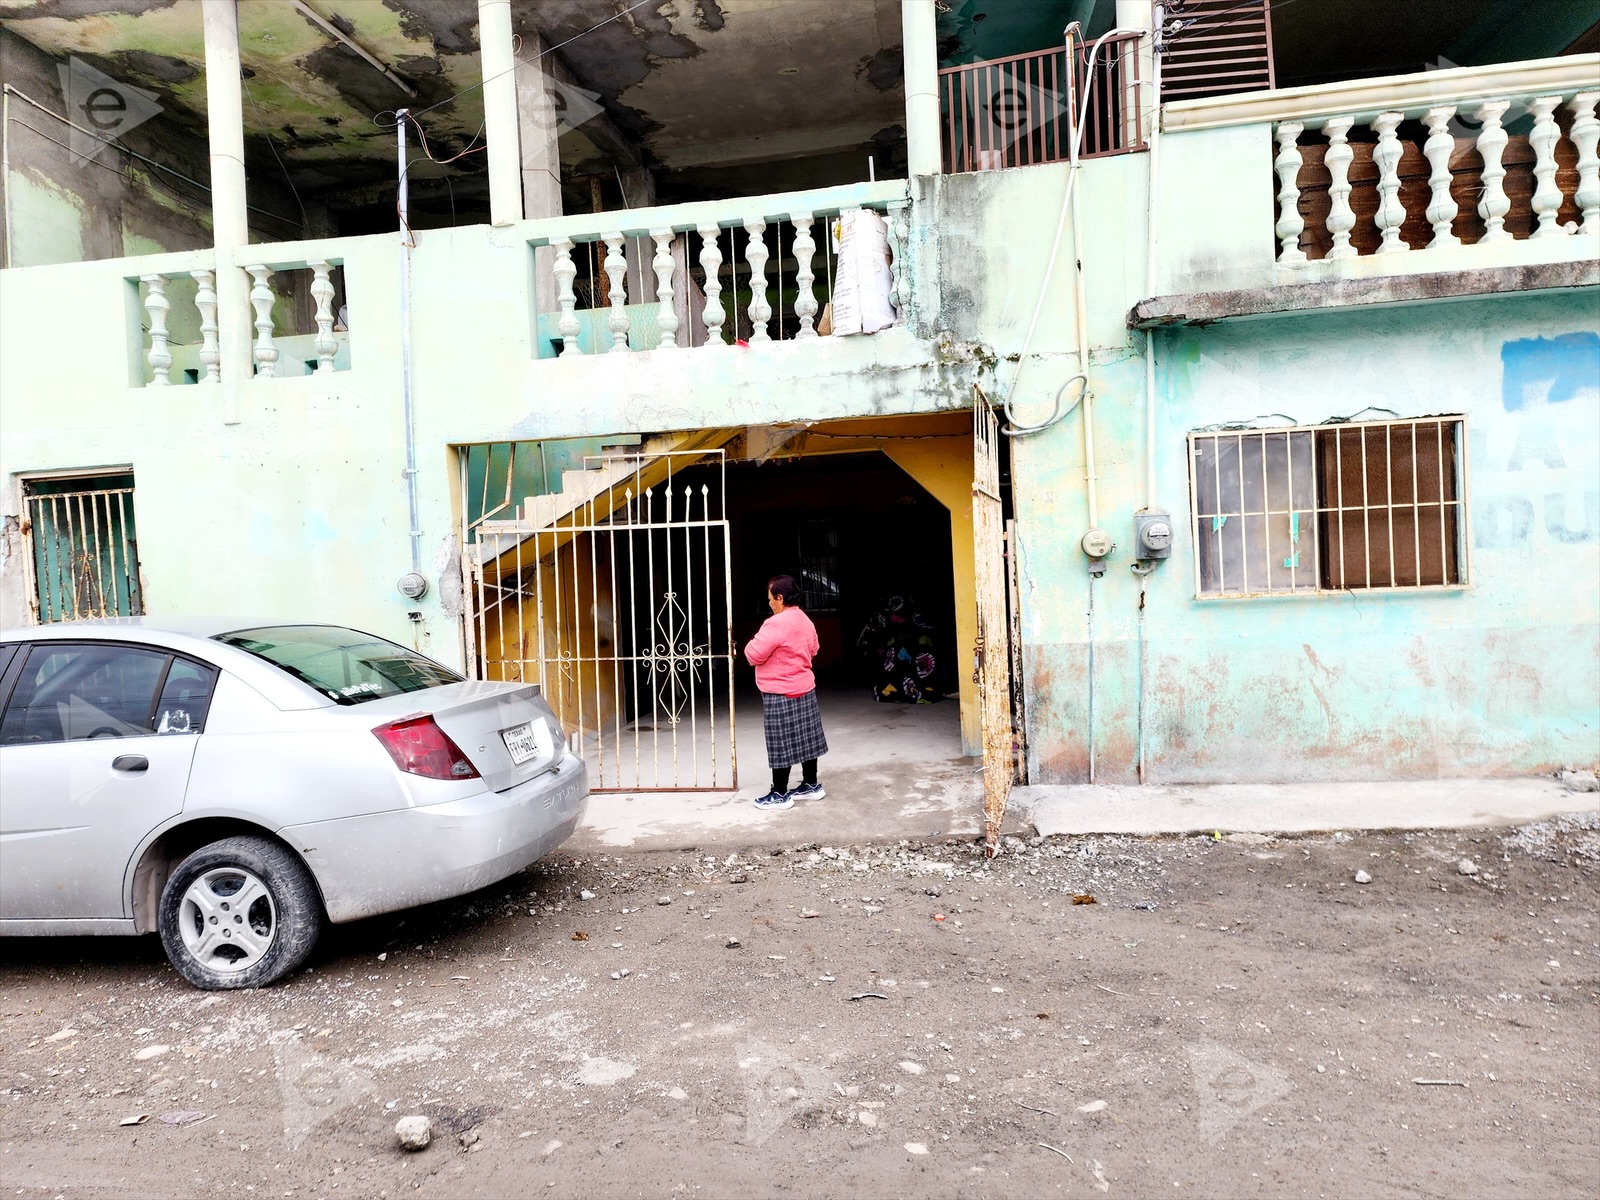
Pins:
<point x="185" y="698"/>
<point x="70" y="693"/>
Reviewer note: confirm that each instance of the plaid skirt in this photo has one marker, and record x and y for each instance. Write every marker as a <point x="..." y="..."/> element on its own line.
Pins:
<point x="793" y="726"/>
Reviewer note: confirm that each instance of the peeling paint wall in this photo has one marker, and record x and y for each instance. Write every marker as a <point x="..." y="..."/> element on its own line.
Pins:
<point x="304" y="504"/>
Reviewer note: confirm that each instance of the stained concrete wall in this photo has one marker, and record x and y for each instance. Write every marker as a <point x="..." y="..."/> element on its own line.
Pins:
<point x="1500" y="675"/>
<point x="66" y="209"/>
<point x="286" y="497"/>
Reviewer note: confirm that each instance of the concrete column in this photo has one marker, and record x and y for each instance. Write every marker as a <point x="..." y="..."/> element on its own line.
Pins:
<point x="920" y="33"/>
<point x="230" y="228"/>
<point x="539" y="139"/>
<point x="225" y="118"/>
<point x="500" y="111"/>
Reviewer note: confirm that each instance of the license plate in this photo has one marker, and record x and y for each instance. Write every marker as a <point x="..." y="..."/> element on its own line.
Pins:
<point x="520" y="742"/>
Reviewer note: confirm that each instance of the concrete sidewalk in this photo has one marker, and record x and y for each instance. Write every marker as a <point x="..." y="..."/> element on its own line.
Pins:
<point x="944" y="798"/>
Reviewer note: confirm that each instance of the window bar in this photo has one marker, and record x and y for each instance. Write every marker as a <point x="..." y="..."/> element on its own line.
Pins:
<point x="78" y="562"/>
<point x="97" y="573"/>
<point x="1266" y="513"/>
<point x="576" y="657"/>
<point x="1338" y="474"/>
<point x="1030" y="68"/>
<point x="1194" y="510"/>
<point x="1388" y="467"/>
<point x="1293" y="557"/>
<point x="110" y="577"/>
<point x="1244" y="547"/>
<point x="1416" y="506"/>
<point x="1444" y="572"/>
<point x="130" y="564"/>
<point x="1366" y="508"/>
<point x="1219" y="521"/>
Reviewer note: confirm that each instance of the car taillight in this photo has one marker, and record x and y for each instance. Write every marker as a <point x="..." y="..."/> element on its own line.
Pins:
<point x="419" y="747"/>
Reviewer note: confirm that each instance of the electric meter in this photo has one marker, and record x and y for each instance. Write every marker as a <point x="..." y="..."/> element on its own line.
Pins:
<point x="1097" y="543"/>
<point x="1153" y="532"/>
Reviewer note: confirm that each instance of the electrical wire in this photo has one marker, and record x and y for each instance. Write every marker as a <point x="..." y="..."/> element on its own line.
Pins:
<point x="128" y="176"/>
<point x="261" y="121"/>
<point x="123" y="149"/>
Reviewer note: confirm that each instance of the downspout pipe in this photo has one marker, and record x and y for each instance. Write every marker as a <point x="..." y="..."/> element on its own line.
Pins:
<point x="407" y="243"/>
<point x="5" y="162"/>
<point x="1151" y="220"/>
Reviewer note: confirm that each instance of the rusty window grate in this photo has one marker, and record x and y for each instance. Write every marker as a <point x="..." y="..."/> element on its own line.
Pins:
<point x="1344" y="507"/>
<point x="84" y="556"/>
<point x="1216" y="48"/>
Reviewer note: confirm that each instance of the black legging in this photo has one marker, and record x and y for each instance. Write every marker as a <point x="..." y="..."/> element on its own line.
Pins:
<point x="780" y="775"/>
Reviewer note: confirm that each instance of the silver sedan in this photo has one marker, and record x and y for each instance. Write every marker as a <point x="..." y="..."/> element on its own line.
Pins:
<point x="233" y="787"/>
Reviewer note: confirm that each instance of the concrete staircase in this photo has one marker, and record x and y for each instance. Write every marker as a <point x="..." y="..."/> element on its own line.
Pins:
<point x="594" y="492"/>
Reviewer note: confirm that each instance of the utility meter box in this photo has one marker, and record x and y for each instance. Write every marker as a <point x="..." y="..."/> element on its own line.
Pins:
<point x="1153" y="534"/>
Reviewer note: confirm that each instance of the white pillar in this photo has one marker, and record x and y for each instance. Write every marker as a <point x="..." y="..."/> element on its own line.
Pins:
<point x="539" y="135"/>
<point x="230" y="228"/>
<point x="500" y="111"/>
<point x="920" y="33"/>
<point x="225" y="117"/>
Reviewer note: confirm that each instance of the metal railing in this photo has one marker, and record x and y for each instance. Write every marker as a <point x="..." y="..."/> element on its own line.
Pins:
<point x="1018" y="111"/>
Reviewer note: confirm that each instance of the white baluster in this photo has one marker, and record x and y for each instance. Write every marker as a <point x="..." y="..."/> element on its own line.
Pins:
<point x="1585" y="136"/>
<point x="666" y="315"/>
<point x="1491" y="145"/>
<point x="1543" y="138"/>
<point x="1440" y="146"/>
<point x="261" y="297"/>
<point x="1391" y="213"/>
<point x="900" y="269"/>
<point x="805" y="252"/>
<point x="711" y="264"/>
<point x="157" y="304"/>
<point x="322" y="293"/>
<point x="617" y="274"/>
<point x="1290" y="222"/>
<point x="755" y="253"/>
<point x="565" y="270"/>
<point x="205" y="299"/>
<point x="1341" y="217"/>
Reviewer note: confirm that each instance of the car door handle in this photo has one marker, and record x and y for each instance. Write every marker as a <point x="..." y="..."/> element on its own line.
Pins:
<point x="132" y="763"/>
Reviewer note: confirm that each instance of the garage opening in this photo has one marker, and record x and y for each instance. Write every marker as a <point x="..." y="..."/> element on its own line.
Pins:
<point x="628" y="592"/>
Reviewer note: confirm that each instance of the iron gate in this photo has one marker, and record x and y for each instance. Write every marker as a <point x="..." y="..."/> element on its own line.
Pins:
<point x="614" y="595"/>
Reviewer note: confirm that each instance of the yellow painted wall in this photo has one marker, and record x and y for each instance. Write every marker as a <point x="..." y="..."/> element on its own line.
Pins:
<point x="944" y="468"/>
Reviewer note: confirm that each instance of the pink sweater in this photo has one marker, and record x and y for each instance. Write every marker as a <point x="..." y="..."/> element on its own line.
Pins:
<point x="782" y="652"/>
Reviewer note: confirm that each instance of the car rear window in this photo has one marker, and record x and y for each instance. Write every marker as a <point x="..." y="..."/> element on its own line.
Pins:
<point x="346" y="666"/>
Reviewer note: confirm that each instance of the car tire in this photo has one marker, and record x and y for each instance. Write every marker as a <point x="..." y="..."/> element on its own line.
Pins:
<point x="239" y="913"/>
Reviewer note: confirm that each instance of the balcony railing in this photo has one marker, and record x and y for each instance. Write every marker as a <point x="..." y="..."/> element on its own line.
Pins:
<point x="1435" y="176"/>
<point x="1017" y="111"/>
<point x="709" y="275"/>
<point x="301" y="329"/>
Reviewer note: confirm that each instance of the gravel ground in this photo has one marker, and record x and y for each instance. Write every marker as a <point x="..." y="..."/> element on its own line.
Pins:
<point x="1227" y="1017"/>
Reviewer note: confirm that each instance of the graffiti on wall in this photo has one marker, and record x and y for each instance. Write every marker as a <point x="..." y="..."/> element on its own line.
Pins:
<point x="1534" y="463"/>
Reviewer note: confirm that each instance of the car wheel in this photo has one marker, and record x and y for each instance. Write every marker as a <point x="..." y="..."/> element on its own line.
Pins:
<point x="239" y="913"/>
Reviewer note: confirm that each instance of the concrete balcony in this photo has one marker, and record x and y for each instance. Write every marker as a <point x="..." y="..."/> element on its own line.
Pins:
<point x="1481" y="170"/>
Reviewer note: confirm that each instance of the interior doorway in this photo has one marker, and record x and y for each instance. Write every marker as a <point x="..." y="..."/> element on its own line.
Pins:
<point x="628" y="594"/>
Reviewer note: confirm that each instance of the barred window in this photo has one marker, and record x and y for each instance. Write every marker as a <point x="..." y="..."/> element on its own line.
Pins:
<point x="1328" y="507"/>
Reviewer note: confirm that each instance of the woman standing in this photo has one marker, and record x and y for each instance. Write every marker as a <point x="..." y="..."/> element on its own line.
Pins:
<point x="781" y="653"/>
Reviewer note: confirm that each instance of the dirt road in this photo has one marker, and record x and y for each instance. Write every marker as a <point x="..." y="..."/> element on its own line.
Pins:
<point x="1228" y="1018"/>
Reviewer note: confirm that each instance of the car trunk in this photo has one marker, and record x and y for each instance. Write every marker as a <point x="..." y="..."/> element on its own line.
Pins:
<point x="476" y="715"/>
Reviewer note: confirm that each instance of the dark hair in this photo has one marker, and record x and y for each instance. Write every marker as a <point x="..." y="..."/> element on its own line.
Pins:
<point x="786" y="589"/>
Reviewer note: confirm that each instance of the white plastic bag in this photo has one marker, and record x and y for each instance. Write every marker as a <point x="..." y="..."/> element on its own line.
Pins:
<point x="861" y="287"/>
